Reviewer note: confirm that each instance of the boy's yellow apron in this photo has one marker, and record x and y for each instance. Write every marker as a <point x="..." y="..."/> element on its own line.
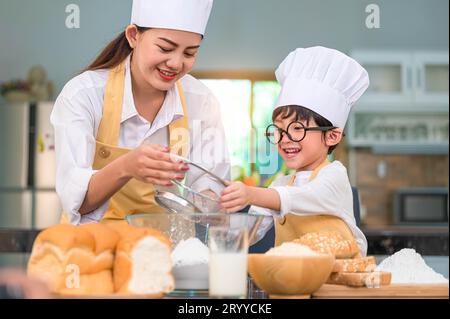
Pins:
<point x="135" y="196"/>
<point x="293" y="226"/>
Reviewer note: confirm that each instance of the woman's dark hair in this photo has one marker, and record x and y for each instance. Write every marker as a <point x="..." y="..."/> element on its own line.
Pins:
<point x="302" y="114"/>
<point x="114" y="53"/>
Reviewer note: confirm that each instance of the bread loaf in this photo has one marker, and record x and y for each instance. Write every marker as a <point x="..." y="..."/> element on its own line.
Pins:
<point x="105" y="245"/>
<point x="143" y="263"/>
<point x="96" y="259"/>
<point x="122" y="228"/>
<point x="67" y="258"/>
<point x="96" y="284"/>
<point x="55" y="249"/>
<point x="368" y="279"/>
<point x="330" y="242"/>
<point x="365" y="264"/>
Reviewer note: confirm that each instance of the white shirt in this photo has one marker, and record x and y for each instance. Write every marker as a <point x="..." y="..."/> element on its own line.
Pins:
<point x="76" y="117"/>
<point x="329" y="193"/>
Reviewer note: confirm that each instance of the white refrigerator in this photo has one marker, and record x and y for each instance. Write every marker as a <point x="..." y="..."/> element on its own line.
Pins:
<point x="27" y="167"/>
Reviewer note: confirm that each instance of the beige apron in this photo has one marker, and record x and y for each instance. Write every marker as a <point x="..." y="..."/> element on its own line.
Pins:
<point x="293" y="226"/>
<point x="135" y="196"/>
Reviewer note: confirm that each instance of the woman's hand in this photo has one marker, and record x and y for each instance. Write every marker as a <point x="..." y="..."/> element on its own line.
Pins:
<point x="153" y="164"/>
<point x="235" y="197"/>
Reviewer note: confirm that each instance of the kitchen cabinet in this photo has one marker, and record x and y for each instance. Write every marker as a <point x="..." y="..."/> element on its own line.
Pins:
<point x="390" y="76"/>
<point x="431" y="77"/>
<point x="405" y="109"/>
<point x="408" y="79"/>
<point x="414" y="131"/>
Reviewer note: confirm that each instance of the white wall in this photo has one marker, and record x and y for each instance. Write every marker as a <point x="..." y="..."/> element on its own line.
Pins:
<point x="250" y="34"/>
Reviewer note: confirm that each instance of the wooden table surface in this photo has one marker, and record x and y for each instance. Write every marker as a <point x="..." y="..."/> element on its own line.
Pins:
<point x="389" y="291"/>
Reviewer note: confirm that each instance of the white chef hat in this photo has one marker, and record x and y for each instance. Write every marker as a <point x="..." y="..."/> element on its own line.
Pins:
<point x="184" y="15"/>
<point x="323" y="80"/>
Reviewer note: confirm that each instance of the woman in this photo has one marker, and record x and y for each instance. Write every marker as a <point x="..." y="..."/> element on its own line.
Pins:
<point x="117" y="123"/>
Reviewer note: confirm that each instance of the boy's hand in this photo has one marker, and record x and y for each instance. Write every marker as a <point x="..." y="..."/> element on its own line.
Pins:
<point x="235" y="197"/>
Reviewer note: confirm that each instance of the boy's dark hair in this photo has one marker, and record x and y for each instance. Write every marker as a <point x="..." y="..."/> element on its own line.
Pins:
<point x="302" y="114"/>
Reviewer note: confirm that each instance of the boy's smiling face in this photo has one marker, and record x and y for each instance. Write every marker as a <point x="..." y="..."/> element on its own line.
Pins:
<point x="305" y="155"/>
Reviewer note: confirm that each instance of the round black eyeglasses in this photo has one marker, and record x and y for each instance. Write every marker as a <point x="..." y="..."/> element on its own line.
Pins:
<point x="296" y="132"/>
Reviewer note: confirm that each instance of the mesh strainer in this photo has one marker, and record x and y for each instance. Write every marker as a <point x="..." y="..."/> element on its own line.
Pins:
<point x="189" y="200"/>
<point x="174" y="203"/>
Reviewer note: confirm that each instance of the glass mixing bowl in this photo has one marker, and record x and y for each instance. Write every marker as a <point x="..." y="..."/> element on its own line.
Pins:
<point x="180" y="227"/>
<point x="191" y="277"/>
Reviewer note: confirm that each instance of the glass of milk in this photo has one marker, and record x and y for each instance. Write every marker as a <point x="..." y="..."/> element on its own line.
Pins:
<point x="228" y="249"/>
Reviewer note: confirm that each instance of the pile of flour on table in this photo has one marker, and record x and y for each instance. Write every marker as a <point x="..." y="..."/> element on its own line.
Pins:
<point x="408" y="267"/>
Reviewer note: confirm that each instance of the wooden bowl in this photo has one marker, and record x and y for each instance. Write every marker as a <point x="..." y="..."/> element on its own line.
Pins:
<point x="290" y="275"/>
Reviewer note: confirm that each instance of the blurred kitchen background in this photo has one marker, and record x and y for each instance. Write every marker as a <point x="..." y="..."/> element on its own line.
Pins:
<point x="396" y="145"/>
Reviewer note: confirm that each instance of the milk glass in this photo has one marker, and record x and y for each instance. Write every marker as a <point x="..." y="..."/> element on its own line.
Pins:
<point x="228" y="249"/>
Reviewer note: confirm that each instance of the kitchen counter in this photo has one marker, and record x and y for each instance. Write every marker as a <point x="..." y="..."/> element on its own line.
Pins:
<point x="404" y="291"/>
<point x="19" y="261"/>
<point x="387" y="240"/>
<point x="17" y="240"/>
<point x="381" y="241"/>
<point x="431" y="243"/>
<point x="399" y="230"/>
<point x="327" y="291"/>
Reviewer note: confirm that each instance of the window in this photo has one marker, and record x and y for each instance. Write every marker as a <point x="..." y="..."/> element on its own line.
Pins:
<point x="234" y="97"/>
<point x="246" y="100"/>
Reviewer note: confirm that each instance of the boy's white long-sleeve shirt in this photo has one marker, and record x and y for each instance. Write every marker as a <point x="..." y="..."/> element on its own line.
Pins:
<point x="329" y="193"/>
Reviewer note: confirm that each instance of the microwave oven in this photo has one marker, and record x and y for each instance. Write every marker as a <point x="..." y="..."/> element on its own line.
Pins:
<point x="421" y="206"/>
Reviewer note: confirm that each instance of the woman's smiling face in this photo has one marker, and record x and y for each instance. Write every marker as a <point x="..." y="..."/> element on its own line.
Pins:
<point x="164" y="56"/>
<point x="306" y="154"/>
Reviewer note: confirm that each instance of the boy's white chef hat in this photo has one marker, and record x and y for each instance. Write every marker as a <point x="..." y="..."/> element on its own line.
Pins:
<point x="184" y="15"/>
<point x="323" y="80"/>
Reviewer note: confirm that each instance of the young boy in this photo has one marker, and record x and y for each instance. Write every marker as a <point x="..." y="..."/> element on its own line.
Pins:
<point x="319" y="87"/>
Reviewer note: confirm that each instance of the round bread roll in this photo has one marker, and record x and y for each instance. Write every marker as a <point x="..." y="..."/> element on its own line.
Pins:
<point x="330" y="242"/>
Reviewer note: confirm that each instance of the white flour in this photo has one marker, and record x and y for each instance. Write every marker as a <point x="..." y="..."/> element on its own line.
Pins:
<point x="190" y="252"/>
<point x="408" y="267"/>
<point x="291" y="249"/>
